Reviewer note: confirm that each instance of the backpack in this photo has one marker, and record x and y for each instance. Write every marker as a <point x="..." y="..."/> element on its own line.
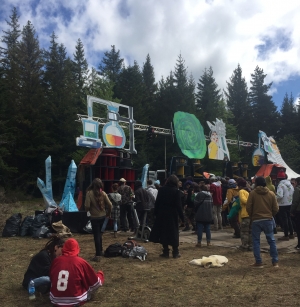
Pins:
<point x="114" y="250"/>
<point x="133" y="250"/>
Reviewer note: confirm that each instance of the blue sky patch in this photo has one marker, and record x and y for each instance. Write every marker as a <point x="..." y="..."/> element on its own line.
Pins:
<point x="280" y="40"/>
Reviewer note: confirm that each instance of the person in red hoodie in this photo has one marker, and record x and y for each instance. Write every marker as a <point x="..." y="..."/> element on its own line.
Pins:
<point x="216" y="192"/>
<point x="72" y="278"/>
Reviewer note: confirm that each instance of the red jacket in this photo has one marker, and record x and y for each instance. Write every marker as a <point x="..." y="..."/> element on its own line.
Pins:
<point x="216" y="191"/>
<point x="72" y="278"/>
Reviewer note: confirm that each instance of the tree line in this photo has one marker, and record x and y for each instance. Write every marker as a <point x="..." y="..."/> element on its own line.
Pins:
<point x="43" y="90"/>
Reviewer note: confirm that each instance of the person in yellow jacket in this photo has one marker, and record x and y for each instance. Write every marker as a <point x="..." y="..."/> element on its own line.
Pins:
<point x="245" y="222"/>
<point x="232" y="192"/>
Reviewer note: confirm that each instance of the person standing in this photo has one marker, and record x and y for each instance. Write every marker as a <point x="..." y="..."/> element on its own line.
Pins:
<point x="261" y="207"/>
<point x="115" y="199"/>
<point x="126" y="208"/>
<point x="99" y="206"/>
<point x="151" y="188"/>
<point x="246" y="237"/>
<point x="73" y="280"/>
<point x="232" y="192"/>
<point x="167" y="210"/>
<point x="216" y="192"/>
<point x="204" y="214"/>
<point x="295" y="208"/>
<point x="284" y="196"/>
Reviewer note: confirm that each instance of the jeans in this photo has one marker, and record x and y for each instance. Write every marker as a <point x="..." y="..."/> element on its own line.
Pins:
<point x="126" y="211"/>
<point x="267" y="227"/>
<point x="105" y="224"/>
<point x="217" y="216"/>
<point x="286" y="222"/>
<point x="96" y="227"/>
<point x="206" y="227"/>
<point x="43" y="283"/>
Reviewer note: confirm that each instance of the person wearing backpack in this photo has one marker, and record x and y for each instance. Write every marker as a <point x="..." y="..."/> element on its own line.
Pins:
<point x="115" y="199"/>
<point x="204" y="214"/>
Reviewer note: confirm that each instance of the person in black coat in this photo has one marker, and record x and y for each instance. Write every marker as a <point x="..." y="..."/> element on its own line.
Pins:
<point x="167" y="210"/>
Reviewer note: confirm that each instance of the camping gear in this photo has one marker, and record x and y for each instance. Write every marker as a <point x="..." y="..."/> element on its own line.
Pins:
<point x="142" y="230"/>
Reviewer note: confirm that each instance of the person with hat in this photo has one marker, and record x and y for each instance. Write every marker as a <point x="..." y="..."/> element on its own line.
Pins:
<point x="232" y="192"/>
<point x="39" y="267"/>
<point x="72" y="279"/>
<point x="125" y="207"/>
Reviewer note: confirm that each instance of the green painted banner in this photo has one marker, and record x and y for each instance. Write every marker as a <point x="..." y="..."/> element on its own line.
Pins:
<point x="189" y="135"/>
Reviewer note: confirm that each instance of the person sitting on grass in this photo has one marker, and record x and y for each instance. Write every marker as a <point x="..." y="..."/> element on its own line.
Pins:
<point x="39" y="266"/>
<point x="73" y="280"/>
<point x="204" y="214"/>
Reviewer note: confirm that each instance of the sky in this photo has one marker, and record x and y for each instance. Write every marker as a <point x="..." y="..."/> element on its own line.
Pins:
<point x="216" y="33"/>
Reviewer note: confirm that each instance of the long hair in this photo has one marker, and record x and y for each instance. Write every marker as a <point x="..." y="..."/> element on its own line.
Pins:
<point x="50" y="245"/>
<point x="172" y="181"/>
<point x="97" y="186"/>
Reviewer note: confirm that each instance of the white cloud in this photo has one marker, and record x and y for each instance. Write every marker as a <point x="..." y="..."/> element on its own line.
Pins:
<point x="220" y="33"/>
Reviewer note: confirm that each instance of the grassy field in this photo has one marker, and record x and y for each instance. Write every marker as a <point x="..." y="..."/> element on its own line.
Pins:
<point x="156" y="282"/>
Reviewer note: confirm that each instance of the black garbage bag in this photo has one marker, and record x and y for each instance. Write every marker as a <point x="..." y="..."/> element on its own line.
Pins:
<point x="41" y="232"/>
<point x="12" y="226"/>
<point x="39" y="221"/>
<point x="26" y="226"/>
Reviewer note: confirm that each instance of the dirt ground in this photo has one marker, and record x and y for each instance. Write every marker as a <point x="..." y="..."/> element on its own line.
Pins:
<point x="156" y="281"/>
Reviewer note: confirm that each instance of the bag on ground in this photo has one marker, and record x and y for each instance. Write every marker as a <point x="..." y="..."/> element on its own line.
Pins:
<point x="12" y="226"/>
<point x="26" y="226"/>
<point x="114" y="250"/>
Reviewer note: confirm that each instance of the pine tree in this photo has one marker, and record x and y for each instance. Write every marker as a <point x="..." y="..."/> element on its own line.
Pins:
<point x="31" y="117"/>
<point x="208" y="97"/>
<point x="238" y="103"/>
<point x="265" y="115"/>
<point x="111" y="65"/>
<point x="288" y="116"/>
<point x="150" y="90"/>
<point x="80" y="71"/>
<point x="185" y="87"/>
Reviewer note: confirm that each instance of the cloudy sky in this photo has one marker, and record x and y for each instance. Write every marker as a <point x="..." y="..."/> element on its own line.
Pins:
<point x="217" y="33"/>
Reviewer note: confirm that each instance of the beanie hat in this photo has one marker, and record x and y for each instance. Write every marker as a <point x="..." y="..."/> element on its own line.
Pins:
<point x="241" y="182"/>
<point x="157" y="182"/>
<point x="231" y="183"/>
<point x="71" y="248"/>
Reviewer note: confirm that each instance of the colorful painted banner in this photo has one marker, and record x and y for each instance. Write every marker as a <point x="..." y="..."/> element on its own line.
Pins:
<point x="217" y="148"/>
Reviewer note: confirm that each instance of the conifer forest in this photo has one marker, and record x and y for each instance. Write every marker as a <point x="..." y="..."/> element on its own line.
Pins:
<point x="43" y="90"/>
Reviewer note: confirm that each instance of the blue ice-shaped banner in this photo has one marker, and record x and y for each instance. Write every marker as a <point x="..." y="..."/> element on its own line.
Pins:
<point x="68" y="203"/>
<point x="46" y="189"/>
<point x="144" y="175"/>
<point x="70" y="182"/>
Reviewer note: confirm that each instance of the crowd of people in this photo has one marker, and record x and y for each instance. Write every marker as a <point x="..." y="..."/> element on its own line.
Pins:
<point x="248" y="207"/>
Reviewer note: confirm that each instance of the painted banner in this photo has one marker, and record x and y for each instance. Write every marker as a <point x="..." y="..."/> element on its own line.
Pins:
<point x="217" y="148"/>
<point x="274" y="155"/>
<point x="189" y="135"/>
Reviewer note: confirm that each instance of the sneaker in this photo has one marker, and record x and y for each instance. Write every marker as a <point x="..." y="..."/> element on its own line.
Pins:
<point x="284" y="238"/>
<point x="257" y="265"/>
<point x="208" y="244"/>
<point x="275" y="265"/>
<point x="198" y="244"/>
<point x="176" y="255"/>
<point x="291" y="237"/>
